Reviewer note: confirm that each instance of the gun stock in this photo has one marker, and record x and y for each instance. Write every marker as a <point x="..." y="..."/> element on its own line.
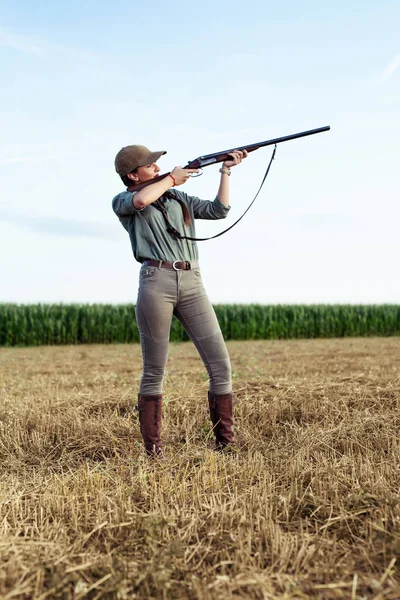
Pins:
<point x="140" y="186"/>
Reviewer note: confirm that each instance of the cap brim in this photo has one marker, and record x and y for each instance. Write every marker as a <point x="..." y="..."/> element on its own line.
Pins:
<point x="152" y="158"/>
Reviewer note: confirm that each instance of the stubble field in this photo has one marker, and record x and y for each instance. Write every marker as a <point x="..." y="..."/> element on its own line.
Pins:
<point x="307" y="508"/>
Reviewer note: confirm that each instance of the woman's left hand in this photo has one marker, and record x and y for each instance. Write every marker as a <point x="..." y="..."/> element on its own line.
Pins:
<point x="237" y="157"/>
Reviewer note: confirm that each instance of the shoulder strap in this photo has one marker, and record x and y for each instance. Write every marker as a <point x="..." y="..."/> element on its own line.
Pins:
<point x="173" y="231"/>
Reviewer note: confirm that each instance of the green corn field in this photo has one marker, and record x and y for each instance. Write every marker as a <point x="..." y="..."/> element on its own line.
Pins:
<point x="60" y="324"/>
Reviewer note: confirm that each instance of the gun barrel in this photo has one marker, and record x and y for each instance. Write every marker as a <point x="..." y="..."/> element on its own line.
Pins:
<point x="286" y="138"/>
<point x="209" y="159"/>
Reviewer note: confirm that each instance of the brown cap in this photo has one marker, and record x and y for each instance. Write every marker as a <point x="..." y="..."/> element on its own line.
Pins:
<point x="131" y="157"/>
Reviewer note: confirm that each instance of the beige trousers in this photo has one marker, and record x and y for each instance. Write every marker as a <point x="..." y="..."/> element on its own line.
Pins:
<point x="166" y="292"/>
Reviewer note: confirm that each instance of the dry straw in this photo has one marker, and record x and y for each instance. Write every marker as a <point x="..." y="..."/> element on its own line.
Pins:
<point x="308" y="508"/>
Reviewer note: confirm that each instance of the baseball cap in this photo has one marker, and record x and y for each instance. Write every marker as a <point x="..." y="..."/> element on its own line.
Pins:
<point x="131" y="157"/>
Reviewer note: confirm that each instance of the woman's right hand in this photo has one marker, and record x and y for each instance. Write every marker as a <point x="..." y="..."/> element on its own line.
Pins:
<point x="181" y="175"/>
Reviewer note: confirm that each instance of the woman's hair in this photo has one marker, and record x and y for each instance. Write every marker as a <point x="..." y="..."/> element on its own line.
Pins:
<point x="186" y="214"/>
<point x="128" y="182"/>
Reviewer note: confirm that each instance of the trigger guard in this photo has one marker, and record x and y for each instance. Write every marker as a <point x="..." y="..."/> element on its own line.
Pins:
<point x="196" y="174"/>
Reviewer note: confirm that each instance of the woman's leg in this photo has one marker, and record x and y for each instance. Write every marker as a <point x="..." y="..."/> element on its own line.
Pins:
<point x="196" y="313"/>
<point x="154" y="309"/>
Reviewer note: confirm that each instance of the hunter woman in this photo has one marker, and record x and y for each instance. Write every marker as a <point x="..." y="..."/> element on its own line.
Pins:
<point x="170" y="283"/>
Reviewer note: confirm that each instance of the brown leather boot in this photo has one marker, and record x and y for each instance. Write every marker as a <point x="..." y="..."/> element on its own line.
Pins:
<point x="149" y="408"/>
<point x="221" y="413"/>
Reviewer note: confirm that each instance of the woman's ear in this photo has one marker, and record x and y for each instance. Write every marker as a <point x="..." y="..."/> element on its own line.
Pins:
<point x="133" y="177"/>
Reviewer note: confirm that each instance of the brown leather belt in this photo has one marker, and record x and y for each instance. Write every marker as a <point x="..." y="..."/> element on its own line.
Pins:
<point x="178" y="265"/>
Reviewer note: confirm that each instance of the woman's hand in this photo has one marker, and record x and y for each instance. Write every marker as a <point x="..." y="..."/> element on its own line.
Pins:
<point x="237" y="157"/>
<point x="181" y="175"/>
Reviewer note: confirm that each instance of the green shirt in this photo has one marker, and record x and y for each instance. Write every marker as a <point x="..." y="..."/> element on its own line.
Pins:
<point x="147" y="228"/>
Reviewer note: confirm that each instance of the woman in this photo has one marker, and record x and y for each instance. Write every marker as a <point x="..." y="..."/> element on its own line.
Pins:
<point x="170" y="284"/>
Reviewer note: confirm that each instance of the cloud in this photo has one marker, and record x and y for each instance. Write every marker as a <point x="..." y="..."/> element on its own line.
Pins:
<point x="34" y="153"/>
<point x="40" y="48"/>
<point x="11" y="160"/>
<point x="21" y="43"/>
<point x="62" y="227"/>
<point x="390" y="69"/>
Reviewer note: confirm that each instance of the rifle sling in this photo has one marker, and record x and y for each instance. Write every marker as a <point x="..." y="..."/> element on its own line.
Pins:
<point x="179" y="236"/>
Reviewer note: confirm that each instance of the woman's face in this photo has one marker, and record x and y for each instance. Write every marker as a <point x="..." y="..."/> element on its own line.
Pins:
<point x="146" y="173"/>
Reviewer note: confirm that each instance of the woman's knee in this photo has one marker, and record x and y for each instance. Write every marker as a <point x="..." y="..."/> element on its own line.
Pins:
<point x="220" y="373"/>
<point x="152" y="380"/>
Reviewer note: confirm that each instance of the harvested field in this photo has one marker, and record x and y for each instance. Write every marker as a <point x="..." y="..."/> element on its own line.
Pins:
<point x="307" y="508"/>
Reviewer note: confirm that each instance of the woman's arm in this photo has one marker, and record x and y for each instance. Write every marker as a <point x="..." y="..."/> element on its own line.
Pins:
<point x="223" y="190"/>
<point x="151" y="193"/>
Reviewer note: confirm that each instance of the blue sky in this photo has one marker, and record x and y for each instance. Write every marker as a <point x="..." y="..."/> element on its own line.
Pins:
<point x="82" y="79"/>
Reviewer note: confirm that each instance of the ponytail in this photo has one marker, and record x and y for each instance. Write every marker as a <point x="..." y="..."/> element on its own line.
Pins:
<point x="185" y="211"/>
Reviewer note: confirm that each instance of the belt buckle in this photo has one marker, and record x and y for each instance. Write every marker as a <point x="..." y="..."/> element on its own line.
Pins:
<point x="174" y="267"/>
<point x="187" y="265"/>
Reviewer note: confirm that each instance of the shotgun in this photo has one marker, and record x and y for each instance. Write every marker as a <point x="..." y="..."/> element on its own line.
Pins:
<point x="211" y="159"/>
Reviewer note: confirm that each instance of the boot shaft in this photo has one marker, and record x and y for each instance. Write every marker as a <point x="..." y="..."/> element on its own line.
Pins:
<point x="150" y="419"/>
<point x="221" y="414"/>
